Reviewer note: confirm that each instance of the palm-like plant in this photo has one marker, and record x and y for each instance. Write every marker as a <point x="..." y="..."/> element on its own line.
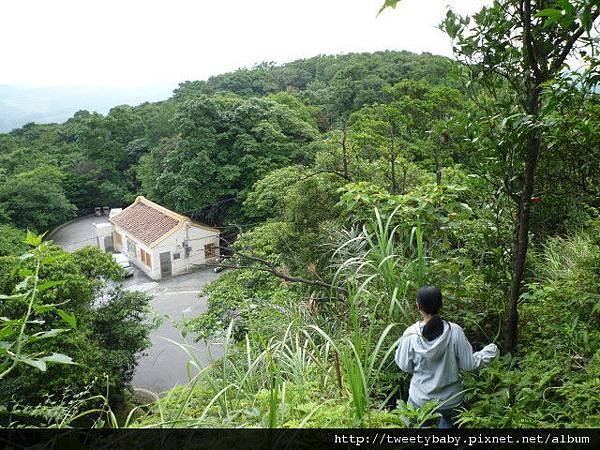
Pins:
<point x="385" y="253"/>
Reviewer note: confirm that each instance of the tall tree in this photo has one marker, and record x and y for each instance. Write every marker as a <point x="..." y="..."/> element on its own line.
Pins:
<point x="36" y="199"/>
<point x="225" y="145"/>
<point x="402" y="128"/>
<point x="525" y="45"/>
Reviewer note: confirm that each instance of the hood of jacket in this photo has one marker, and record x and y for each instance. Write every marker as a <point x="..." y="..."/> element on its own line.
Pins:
<point x="432" y="350"/>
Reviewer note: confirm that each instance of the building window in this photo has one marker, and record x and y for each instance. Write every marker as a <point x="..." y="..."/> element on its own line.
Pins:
<point x="146" y="258"/>
<point x="118" y="240"/>
<point x="210" y="251"/>
<point x="176" y="255"/>
<point x="131" y="248"/>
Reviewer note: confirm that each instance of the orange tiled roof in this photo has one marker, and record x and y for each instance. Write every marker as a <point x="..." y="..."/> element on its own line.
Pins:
<point x="149" y="222"/>
<point x="145" y="222"/>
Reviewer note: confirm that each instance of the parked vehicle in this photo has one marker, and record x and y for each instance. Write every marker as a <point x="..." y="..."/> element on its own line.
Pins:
<point x="124" y="262"/>
<point x="218" y="269"/>
<point x="114" y="211"/>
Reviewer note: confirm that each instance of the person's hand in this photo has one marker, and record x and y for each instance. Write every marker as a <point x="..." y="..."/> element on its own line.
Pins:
<point x="491" y="349"/>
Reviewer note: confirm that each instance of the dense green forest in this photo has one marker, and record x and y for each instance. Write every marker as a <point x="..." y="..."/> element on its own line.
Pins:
<point x="343" y="184"/>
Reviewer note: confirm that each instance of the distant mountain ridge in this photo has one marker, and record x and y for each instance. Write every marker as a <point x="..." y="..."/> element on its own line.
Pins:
<point x="20" y="105"/>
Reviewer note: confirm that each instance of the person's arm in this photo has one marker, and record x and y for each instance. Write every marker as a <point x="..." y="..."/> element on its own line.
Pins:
<point x="404" y="354"/>
<point x="467" y="360"/>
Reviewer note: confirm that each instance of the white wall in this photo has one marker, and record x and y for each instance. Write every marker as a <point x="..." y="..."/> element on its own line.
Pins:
<point x="137" y="260"/>
<point x="101" y="230"/>
<point x="195" y="237"/>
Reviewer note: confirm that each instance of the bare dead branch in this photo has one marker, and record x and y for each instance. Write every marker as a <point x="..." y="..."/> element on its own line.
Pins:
<point x="265" y="265"/>
<point x="324" y="171"/>
<point x="283" y="276"/>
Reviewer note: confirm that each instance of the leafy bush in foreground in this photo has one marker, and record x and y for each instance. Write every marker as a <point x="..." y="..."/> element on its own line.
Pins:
<point x="554" y="379"/>
<point x="101" y="329"/>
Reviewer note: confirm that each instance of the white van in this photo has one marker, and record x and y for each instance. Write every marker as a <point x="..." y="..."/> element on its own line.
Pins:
<point x="124" y="262"/>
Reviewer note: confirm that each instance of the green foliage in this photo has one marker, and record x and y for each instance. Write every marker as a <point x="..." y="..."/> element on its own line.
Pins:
<point x="444" y="211"/>
<point x="372" y="173"/>
<point x="573" y="126"/>
<point x="108" y="160"/>
<point x="517" y="48"/>
<point x="298" y="195"/>
<point x="95" y="264"/>
<point x="250" y="298"/>
<point x="66" y="409"/>
<point x="293" y="102"/>
<point x="312" y="201"/>
<point x="18" y="345"/>
<point x="268" y="198"/>
<point x="554" y="379"/>
<point x="334" y="85"/>
<point x="106" y="326"/>
<point x="36" y="198"/>
<point x="291" y="366"/>
<point x="12" y="240"/>
<point x="287" y="381"/>
<point x="389" y="4"/>
<point x="226" y="144"/>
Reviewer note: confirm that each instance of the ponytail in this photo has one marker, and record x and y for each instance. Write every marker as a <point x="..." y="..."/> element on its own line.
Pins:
<point x="433" y="328"/>
<point x="429" y="299"/>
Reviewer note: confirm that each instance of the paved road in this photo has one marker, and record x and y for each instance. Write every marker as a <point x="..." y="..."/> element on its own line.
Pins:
<point x="77" y="234"/>
<point x="165" y="364"/>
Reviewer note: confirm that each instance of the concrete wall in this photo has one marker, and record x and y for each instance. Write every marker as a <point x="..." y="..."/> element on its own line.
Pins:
<point x="137" y="258"/>
<point x="104" y="230"/>
<point x="195" y="237"/>
<point x="49" y="235"/>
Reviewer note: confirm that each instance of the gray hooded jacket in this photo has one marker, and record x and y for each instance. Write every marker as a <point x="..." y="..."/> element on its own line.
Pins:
<point x="435" y="364"/>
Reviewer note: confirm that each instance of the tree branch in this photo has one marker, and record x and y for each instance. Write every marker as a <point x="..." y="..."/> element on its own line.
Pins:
<point x="528" y="39"/>
<point x="269" y="267"/>
<point x="558" y="62"/>
<point x="324" y="171"/>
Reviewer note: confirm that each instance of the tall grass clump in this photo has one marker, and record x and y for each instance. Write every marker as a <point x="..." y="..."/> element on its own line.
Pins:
<point x="389" y="255"/>
<point x="325" y="367"/>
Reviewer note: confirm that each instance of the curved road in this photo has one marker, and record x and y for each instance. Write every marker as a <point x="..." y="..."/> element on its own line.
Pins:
<point x="165" y="364"/>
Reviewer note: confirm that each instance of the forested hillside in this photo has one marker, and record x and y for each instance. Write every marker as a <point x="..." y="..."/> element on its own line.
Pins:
<point x="107" y="160"/>
<point x="343" y="184"/>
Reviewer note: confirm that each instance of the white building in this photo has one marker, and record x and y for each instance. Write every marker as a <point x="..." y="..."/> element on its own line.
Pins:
<point x="161" y="242"/>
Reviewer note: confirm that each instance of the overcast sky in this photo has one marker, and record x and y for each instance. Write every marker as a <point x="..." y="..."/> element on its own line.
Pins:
<point x="142" y="42"/>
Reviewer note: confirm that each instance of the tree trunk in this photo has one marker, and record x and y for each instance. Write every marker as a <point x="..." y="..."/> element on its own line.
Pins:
<point x="393" y="160"/>
<point x="521" y="238"/>
<point x="345" y="151"/>
<point x="436" y="156"/>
